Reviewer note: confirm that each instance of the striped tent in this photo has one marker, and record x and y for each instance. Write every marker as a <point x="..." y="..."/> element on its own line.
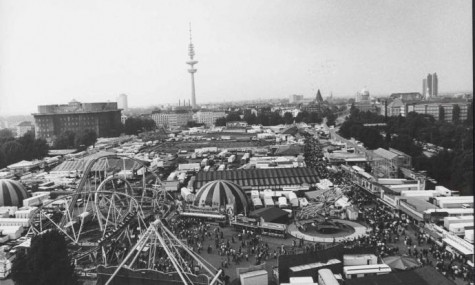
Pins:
<point x="219" y="193"/>
<point x="12" y="193"/>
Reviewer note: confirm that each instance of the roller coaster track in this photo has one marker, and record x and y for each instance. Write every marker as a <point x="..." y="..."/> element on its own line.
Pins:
<point x="125" y="222"/>
<point x="108" y="236"/>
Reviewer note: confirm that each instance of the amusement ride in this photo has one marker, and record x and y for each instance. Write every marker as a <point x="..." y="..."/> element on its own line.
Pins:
<point x="116" y="225"/>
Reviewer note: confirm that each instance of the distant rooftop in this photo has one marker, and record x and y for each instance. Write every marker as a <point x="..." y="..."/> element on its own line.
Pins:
<point x="76" y="107"/>
<point x="385" y="153"/>
<point x="25" y="124"/>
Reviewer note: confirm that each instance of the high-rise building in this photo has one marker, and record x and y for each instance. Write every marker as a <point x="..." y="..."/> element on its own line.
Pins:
<point x="122" y="102"/>
<point x="429" y="84"/>
<point x="192" y="70"/>
<point x="435" y="85"/>
<point x="424" y="88"/>
<point x="52" y="120"/>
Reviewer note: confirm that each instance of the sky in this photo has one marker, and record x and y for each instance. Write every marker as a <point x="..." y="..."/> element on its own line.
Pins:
<point x="52" y="51"/>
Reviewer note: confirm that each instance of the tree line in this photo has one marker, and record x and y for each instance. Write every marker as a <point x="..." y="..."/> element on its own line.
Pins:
<point x="26" y="147"/>
<point x="78" y="140"/>
<point x="268" y="118"/>
<point x="452" y="167"/>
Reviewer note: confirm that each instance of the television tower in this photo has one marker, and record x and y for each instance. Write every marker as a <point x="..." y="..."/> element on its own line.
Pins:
<point x="192" y="70"/>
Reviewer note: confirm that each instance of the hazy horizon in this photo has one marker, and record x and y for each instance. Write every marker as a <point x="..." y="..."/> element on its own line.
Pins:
<point x="54" y="51"/>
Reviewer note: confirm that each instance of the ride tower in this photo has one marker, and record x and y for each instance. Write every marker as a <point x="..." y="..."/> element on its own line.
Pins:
<point x="192" y="70"/>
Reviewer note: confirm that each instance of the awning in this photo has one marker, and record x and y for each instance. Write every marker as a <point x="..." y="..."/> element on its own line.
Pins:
<point x="408" y="212"/>
<point x="465" y="250"/>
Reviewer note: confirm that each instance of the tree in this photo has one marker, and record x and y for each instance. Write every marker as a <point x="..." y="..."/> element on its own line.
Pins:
<point x="405" y="144"/>
<point x="456" y="114"/>
<point x="65" y="140"/>
<point x="220" y="122"/>
<point x="288" y="118"/>
<point x="469" y="120"/>
<point x="47" y="262"/>
<point x="85" y="138"/>
<point x="3" y="159"/>
<point x="250" y="118"/>
<point x="441" y="113"/>
<point x="331" y="119"/>
<point x="33" y="148"/>
<point x="192" y="124"/>
<point x="233" y="116"/>
<point x="275" y="119"/>
<point x="135" y="125"/>
<point x="13" y="152"/>
<point x="315" y="117"/>
<point x="6" y="134"/>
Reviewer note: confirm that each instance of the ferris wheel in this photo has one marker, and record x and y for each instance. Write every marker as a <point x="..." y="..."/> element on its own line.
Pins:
<point x="114" y="202"/>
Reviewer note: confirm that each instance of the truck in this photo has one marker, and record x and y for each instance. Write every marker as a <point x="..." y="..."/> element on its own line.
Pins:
<point x="459" y="229"/>
<point x="456" y="220"/>
<point x="468" y="236"/>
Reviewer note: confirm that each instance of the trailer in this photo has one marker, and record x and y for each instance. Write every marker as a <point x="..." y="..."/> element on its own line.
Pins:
<point x="172" y="176"/>
<point x="268" y="202"/>
<point x="459" y="229"/>
<point x="222" y="153"/>
<point x="456" y="220"/>
<point x="35" y="200"/>
<point x="13" y="232"/>
<point x="294" y="201"/>
<point x="283" y="202"/>
<point x="245" y="158"/>
<point x="24" y="222"/>
<point x="232" y="158"/>
<point x="222" y="167"/>
<point x="257" y="202"/>
<point x="187" y="195"/>
<point x="468" y="236"/>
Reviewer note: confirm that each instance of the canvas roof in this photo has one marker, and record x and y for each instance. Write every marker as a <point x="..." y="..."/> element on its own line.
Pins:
<point x="260" y="177"/>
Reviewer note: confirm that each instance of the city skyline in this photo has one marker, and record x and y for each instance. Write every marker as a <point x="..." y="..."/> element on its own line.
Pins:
<point x="52" y="51"/>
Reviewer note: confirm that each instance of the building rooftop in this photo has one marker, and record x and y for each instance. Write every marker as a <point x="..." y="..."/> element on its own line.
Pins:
<point x="419" y="204"/>
<point x="426" y="275"/>
<point x="261" y="177"/>
<point x="385" y="153"/>
<point x="25" y="124"/>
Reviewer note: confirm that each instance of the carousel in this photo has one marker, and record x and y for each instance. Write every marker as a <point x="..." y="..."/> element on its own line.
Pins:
<point x="219" y="200"/>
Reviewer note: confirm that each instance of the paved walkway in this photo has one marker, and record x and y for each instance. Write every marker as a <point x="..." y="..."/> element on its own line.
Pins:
<point x="360" y="230"/>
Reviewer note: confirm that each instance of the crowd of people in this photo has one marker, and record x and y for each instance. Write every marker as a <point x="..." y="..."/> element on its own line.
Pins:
<point x="392" y="235"/>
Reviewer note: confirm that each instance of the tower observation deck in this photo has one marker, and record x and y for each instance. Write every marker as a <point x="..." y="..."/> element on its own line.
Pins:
<point x="192" y="70"/>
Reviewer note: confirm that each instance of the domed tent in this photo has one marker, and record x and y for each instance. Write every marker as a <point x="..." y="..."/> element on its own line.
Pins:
<point x="220" y="193"/>
<point x="12" y="193"/>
